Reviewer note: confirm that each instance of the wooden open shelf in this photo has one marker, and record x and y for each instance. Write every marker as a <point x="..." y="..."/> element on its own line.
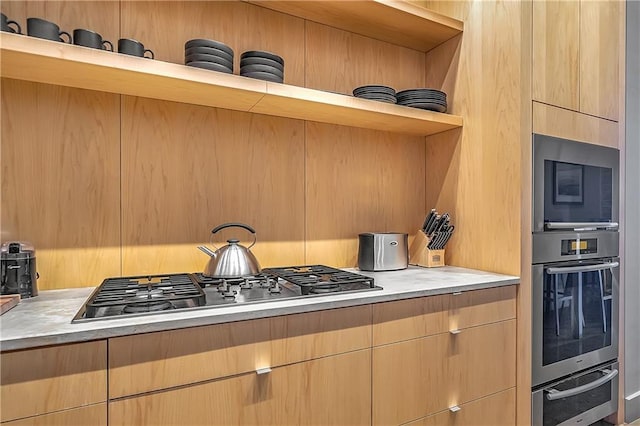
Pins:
<point x="393" y="21"/>
<point x="43" y="61"/>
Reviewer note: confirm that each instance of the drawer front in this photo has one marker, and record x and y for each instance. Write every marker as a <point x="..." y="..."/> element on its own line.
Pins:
<point x="419" y="377"/>
<point x="39" y="381"/>
<point x="332" y="390"/>
<point x="161" y="360"/>
<point x="409" y="319"/>
<point x="495" y="410"/>
<point x="482" y="360"/>
<point x="410" y="379"/>
<point x="477" y="307"/>
<point x="92" y="415"/>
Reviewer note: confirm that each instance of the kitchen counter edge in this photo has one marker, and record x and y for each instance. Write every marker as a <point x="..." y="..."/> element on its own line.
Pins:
<point x="46" y="319"/>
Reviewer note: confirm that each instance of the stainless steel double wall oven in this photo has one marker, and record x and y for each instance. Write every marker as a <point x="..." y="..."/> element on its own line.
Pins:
<point x="575" y="274"/>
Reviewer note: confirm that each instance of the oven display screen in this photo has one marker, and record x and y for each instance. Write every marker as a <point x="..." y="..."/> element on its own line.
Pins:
<point x="579" y="246"/>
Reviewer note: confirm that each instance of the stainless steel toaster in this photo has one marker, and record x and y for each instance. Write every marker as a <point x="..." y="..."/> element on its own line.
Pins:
<point x="383" y="251"/>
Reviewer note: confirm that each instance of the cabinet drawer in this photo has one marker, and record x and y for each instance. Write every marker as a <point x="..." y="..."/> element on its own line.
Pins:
<point x="418" y="377"/>
<point x="477" y="307"/>
<point x="39" y="381"/>
<point x="495" y="410"/>
<point x="92" y="415"/>
<point x="331" y="390"/>
<point x="161" y="360"/>
<point x="409" y="319"/>
<point x="425" y="316"/>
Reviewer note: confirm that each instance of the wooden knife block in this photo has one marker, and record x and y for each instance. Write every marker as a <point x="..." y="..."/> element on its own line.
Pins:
<point x="420" y="255"/>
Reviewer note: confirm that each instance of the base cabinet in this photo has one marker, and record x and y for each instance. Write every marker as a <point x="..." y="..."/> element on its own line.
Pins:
<point x="91" y="415"/>
<point x="332" y="390"/>
<point x="495" y="410"/>
<point x="418" y="377"/>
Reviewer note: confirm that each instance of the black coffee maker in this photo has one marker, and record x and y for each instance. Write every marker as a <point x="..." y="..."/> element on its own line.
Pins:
<point x="18" y="267"/>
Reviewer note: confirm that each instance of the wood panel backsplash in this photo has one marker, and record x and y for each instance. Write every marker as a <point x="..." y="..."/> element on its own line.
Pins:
<point x="106" y="185"/>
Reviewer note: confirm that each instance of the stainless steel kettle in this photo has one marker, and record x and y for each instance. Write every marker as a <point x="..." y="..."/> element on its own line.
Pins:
<point x="232" y="260"/>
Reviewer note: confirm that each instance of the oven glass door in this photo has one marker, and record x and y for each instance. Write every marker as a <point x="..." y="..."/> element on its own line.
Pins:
<point x="577" y="193"/>
<point x="575" y="316"/>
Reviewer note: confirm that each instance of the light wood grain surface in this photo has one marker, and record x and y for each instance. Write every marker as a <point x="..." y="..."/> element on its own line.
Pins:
<point x="187" y="169"/>
<point x="441" y="371"/>
<point x="562" y="123"/>
<point x="60" y="180"/>
<point x="241" y="26"/>
<point x="330" y="390"/>
<point x="396" y="22"/>
<point x="494" y="410"/>
<point x="600" y="49"/>
<point x="556" y="52"/>
<point x="102" y="17"/>
<point x="43" y="380"/>
<point x="161" y="360"/>
<point x="357" y="181"/>
<point x="91" y="415"/>
<point x="473" y="308"/>
<point x="474" y="174"/>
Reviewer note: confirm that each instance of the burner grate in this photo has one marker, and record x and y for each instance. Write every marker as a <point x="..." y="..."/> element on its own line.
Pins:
<point x="321" y="279"/>
<point x="144" y="293"/>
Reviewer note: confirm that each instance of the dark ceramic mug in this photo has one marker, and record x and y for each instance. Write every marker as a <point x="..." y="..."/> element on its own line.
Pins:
<point x="41" y="28"/>
<point x="88" y="38"/>
<point x="133" y="47"/>
<point x="4" y="21"/>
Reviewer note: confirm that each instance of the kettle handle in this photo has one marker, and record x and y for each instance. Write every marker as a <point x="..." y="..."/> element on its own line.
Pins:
<point x="236" y="225"/>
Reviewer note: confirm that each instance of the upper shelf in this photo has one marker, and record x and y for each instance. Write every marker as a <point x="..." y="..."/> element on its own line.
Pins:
<point x="43" y="61"/>
<point x="393" y="21"/>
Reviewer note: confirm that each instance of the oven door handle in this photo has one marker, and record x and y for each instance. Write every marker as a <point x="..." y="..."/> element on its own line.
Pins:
<point x="553" y="394"/>
<point x="582" y="226"/>
<point x="583" y="268"/>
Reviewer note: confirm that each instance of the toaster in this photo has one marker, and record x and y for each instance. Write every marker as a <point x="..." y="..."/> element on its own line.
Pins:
<point x="383" y="251"/>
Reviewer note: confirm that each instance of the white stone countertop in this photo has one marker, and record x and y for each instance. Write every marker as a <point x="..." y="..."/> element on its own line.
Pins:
<point x="46" y="319"/>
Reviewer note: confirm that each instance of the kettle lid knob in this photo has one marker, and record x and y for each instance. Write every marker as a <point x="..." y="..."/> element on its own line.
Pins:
<point x="233" y="241"/>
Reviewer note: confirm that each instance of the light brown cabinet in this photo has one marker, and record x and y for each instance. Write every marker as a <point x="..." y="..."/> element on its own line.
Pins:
<point x="576" y="54"/>
<point x="44" y="380"/>
<point x="90" y="415"/>
<point x="494" y="410"/>
<point x="438" y="352"/>
<point x="331" y="390"/>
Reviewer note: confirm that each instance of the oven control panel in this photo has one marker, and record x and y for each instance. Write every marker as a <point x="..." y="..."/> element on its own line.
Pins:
<point x="574" y="246"/>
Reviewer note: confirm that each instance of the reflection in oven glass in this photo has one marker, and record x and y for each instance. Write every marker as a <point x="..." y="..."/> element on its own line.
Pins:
<point x="577" y="314"/>
<point x="560" y="410"/>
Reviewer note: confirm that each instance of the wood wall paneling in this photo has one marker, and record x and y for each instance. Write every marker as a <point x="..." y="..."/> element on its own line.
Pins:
<point x="60" y="180"/>
<point x="556" y="52"/>
<point x="600" y="50"/>
<point x="241" y="26"/>
<point x="102" y="17"/>
<point x="43" y="380"/>
<point x="298" y="394"/>
<point x="354" y="61"/>
<point x="358" y="180"/>
<point x="91" y="415"/>
<point x="187" y="169"/>
<point x="474" y="174"/>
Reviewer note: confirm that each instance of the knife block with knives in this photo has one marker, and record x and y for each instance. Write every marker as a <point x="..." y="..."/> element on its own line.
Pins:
<point x="428" y="245"/>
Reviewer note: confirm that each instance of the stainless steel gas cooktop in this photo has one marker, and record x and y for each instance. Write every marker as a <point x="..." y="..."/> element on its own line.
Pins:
<point x="151" y="294"/>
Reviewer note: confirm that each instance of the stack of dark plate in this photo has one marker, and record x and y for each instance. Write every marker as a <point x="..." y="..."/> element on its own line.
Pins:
<point x="262" y="65"/>
<point x="430" y="99"/>
<point x="376" y="93"/>
<point x="208" y="54"/>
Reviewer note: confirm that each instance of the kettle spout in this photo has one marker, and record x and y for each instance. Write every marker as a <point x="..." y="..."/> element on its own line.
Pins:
<point x="207" y="250"/>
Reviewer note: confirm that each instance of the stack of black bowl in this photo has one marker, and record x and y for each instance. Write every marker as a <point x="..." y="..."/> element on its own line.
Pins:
<point x="262" y="65"/>
<point x="376" y="93"/>
<point x="430" y="99"/>
<point x="208" y="54"/>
